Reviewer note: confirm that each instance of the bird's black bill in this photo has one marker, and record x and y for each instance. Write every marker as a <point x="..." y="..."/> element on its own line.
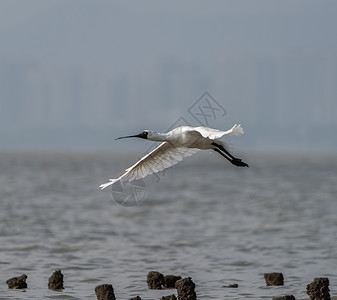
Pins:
<point x="141" y="135"/>
<point x="126" y="137"/>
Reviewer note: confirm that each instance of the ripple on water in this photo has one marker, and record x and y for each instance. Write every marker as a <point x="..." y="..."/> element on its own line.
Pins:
<point x="203" y="219"/>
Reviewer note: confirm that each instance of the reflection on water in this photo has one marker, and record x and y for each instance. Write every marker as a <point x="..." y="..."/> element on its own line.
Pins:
<point x="204" y="218"/>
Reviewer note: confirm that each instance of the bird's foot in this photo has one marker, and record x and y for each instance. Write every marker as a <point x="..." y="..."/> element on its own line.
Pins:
<point x="239" y="163"/>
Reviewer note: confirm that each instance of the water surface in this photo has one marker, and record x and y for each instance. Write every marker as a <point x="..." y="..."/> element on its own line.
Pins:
<point x="203" y="218"/>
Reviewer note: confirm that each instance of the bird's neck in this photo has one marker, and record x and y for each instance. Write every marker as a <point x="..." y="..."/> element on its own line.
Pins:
<point x="159" y="137"/>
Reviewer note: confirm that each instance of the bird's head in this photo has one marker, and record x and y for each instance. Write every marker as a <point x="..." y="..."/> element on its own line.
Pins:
<point x="143" y="135"/>
<point x="148" y="135"/>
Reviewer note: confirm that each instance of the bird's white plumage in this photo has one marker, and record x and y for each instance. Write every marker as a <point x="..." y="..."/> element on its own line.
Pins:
<point x="176" y="144"/>
<point x="211" y="133"/>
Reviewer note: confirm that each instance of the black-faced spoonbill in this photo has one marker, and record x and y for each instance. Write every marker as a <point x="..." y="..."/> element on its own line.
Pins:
<point x="177" y="144"/>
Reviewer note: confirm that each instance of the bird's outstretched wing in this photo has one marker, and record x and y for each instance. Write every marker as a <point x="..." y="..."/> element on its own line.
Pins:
<point x="211" y="133"/>
<point x="162" y="157"/>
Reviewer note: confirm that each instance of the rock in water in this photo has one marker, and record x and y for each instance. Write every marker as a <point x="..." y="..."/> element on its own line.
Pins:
<point x="155" y="280"/>
<point x="105" y="292"/>
<point x="170" y="281"/>
<point x="288" y="297"/>
<point x="136" y="298"/>
<point x="186" y="289"/>
<point x="273" y="278"/>
<point x="55" y="281"/>
<point x="232" y="286"/>
<point x="171" y="297"/>
<point x="17" y="282"/>
<point x="319" y="289"/>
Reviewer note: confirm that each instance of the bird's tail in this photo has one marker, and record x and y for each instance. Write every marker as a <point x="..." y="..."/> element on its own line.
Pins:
<point x="237" y="130"/>
<point x="111" y="181"/>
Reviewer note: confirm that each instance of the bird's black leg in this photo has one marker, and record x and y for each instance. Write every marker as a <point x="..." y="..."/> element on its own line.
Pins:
<point x="235" y="161"/>
<point x="223" y="154"/>
<point x="224" y="150"/>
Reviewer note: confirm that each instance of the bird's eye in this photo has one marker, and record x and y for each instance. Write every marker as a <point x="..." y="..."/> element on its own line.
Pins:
<point x="145" y="133"/>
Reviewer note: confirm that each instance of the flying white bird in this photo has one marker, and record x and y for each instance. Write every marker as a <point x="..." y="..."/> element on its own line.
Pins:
<point x="177" y="144"/>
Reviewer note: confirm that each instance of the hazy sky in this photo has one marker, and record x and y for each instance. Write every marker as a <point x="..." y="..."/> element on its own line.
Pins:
<point x="134" y="33"/>
<point x="131" y="40"/>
